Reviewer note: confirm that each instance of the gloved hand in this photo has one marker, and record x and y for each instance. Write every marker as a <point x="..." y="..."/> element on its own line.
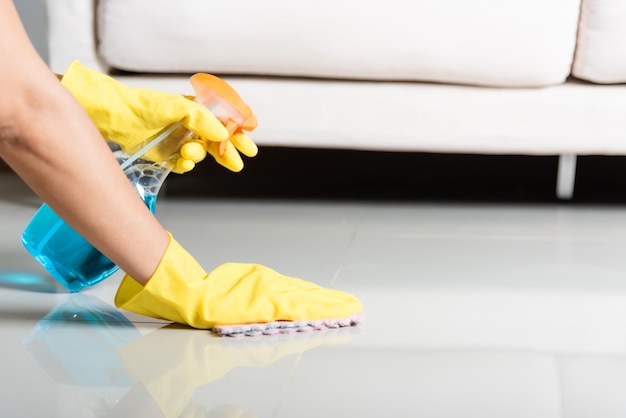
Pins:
<point x="181" y="291"/>
<point x="129" y="116"/>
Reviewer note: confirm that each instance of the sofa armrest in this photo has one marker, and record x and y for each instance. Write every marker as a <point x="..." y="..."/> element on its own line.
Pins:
<point x="72" y="34"/>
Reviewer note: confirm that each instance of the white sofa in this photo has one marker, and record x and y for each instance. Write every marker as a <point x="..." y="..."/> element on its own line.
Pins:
<point x="529" y="77"/>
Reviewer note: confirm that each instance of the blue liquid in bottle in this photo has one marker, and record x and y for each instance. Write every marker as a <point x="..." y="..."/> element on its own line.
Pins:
<point x="64" y="253"/>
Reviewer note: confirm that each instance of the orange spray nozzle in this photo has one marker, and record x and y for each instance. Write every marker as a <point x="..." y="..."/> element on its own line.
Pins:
<point x="224" y="102"/>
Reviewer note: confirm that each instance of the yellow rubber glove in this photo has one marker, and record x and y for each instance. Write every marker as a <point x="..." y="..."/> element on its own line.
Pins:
<point x="128" y="116"/>
<point x="181" y="291"/>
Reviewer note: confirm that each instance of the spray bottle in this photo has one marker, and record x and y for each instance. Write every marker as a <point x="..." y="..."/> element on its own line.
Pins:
<point x="71" y="259"/>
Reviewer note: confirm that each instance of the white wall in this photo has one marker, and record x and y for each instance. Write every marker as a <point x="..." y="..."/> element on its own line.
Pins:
<point x="33" y="15"/>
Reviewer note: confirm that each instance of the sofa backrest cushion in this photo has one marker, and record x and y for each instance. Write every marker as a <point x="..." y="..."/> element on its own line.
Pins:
<point x="601" y="51"/>
<point x="482" y="42"/>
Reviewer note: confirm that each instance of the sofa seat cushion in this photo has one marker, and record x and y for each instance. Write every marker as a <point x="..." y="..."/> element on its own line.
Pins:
<point x="601" y="53"/>
<point x="515" y="43"/>
<point x="574" y="117"/>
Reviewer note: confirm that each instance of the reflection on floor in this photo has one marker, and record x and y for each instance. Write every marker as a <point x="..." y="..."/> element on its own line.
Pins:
<point x="471" y="310"/>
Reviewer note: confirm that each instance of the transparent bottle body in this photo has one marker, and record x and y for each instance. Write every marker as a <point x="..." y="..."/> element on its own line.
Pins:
<point x="69" y="257"/>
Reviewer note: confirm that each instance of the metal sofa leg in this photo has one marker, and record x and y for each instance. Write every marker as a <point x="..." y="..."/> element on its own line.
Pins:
<point x="566" y="176"/>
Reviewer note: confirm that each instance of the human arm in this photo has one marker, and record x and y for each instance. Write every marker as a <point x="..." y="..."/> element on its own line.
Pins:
<point x="50" y="142"/>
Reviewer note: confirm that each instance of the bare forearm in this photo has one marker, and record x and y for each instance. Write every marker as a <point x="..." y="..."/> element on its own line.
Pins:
<point x="48" y="139"/>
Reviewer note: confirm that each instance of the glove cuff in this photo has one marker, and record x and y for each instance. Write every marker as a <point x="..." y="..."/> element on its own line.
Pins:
<point x="84" y="84"/>
<point x="176" y="275"/>
<point x="113" y="107"/>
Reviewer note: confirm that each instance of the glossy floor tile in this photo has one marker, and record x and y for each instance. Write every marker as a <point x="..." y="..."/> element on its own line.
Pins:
<point x="471" y="310"/>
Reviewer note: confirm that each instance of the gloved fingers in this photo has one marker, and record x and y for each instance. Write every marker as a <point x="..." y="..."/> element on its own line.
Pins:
<point x="183" y="166"/>
<point x="228" y="156"/>
<point x="244" y="144"/>
<point x="194" y="151"/>
<point x="224" y="152"/>
<point x="190" y="153"/>
<point x="202" y="122"/>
